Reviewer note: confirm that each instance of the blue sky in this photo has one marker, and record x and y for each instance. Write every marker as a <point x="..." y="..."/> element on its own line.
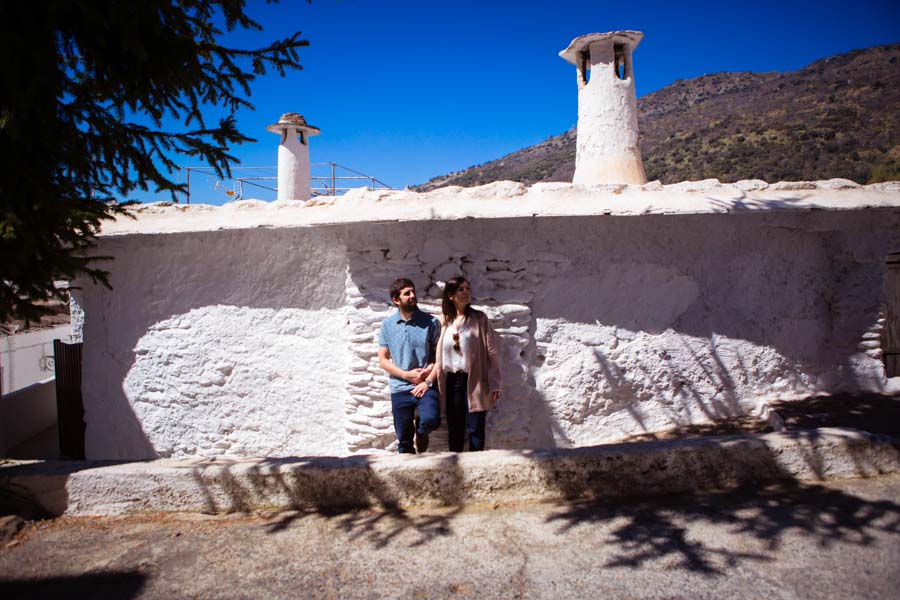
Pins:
<point x="406" y="91"/>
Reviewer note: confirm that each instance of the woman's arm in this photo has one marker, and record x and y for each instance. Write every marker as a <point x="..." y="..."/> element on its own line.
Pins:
<point x="438" y="355"/>
<point x="495" y="380"/>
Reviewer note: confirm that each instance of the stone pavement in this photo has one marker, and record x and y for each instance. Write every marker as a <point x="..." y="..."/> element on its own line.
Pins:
<point x="839" y="539"/>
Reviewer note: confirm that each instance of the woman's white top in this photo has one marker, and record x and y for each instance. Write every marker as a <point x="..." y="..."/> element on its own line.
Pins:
<point x="458" y="360"/>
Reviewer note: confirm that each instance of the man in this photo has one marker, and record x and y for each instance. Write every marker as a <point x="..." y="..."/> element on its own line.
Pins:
<point x="406" y="350"/>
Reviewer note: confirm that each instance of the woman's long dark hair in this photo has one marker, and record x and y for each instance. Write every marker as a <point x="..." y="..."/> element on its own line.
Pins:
<point x="447" y="306"/>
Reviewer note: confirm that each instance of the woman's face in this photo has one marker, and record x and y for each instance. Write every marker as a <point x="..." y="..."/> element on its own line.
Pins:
<point x="463" y="294"/>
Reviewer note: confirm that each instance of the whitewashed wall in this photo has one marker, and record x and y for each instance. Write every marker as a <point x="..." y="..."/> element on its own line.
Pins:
<point x="27" y="358"/>
<point x="223" y="343"/>
<point x="262" y="341"/>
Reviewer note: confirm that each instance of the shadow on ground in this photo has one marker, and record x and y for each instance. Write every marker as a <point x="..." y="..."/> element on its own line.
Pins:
<point x="648" y="492"/>
<point x="127" y="584"/>
<point x="872" y="412"/>
<point x="722" y="480"/>
<point x="361" y="499"/>
<point x="659" y="529"/>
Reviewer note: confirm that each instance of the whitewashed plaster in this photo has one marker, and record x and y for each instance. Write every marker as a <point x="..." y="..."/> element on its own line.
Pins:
<point x="226" y="343"/>
<point x="262" y="340"/>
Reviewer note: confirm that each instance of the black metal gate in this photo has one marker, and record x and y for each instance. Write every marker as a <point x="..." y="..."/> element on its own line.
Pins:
<point x="69" y="406"/>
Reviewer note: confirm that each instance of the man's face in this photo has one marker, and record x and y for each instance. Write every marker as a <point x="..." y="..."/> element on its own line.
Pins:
<point x="407" y="300"/>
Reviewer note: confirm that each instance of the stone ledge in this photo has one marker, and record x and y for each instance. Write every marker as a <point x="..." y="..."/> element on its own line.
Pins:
<point x="445" y="479"/>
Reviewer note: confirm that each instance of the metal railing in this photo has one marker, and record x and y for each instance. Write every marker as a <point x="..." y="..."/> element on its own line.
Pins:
<point x="330" y="184"/>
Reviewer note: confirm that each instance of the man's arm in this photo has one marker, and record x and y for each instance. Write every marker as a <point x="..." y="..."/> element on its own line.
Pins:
<point x="431" y="371"/>
<point x="432" y="341"/>
<point x="385" y="362"/>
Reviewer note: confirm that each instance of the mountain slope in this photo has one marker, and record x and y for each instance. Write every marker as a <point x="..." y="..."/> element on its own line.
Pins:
<point x="838" y="117"/>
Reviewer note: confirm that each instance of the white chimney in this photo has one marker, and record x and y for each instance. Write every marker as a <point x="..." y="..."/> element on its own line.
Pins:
<point x="293" y="156"/>
<point x="607" y="148"/>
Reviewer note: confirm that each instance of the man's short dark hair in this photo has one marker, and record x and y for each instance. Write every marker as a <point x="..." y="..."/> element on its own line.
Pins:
<point x="398" y="285"/>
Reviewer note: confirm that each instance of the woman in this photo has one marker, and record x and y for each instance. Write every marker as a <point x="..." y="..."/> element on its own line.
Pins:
<point x="466" y="368"/>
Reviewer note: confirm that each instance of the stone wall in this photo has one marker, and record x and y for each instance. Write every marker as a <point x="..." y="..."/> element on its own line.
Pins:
<point x="263" y="342"/>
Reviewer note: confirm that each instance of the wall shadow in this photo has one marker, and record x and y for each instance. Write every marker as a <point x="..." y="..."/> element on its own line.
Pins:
<point x="751" y="270"/>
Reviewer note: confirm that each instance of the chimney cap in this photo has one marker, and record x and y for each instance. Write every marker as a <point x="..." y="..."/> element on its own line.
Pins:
<point x="294" y="120"/>
<point x="582" y="42"/>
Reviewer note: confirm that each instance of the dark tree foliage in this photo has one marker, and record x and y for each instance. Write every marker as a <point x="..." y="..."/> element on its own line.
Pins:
<point x="72" y="76"/>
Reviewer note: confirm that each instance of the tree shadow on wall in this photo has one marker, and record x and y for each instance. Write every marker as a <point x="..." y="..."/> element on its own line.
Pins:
<point x="796" y="282"/>
<point x="799" y="201"/>
<point x="725" y="403"/>
<point x="875" y="412"/>
<point x="348" y="489"/>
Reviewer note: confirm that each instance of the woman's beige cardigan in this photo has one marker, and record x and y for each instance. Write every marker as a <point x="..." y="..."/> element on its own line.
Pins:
<point x="484" y="374"/>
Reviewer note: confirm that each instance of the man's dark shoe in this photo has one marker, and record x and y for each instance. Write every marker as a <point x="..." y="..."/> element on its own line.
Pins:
<point x="421" y="442"/>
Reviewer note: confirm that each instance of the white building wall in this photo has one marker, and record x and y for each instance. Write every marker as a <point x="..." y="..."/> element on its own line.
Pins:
<point x="263" y="342"/>
<point x="224" y="343"/>
<point x="27" y="358"/>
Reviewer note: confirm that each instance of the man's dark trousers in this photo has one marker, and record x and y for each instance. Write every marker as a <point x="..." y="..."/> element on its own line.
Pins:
<point x="404" y="406"/>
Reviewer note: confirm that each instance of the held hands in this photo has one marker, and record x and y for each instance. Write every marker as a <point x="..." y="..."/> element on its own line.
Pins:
<point x="415" y="375"/>
<point x="418" y="375"/>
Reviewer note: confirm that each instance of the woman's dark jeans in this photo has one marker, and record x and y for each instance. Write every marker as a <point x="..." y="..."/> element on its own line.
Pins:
<point x="459" y="419"/>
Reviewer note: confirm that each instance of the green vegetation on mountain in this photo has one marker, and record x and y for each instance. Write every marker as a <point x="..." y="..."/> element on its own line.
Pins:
<point x="838" y="117"/>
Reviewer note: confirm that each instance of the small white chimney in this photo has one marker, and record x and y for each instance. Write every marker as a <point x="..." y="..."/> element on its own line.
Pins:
<point x="607" y="145"/>
<point x="293" y="156"/>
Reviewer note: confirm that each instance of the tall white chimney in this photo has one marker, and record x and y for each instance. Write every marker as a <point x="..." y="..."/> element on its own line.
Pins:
<point x="293" y="156"/>
<point x="607" y="145"/>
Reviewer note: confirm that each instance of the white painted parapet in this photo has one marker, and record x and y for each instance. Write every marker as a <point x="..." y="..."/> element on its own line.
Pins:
<point x="607" y="143"/>
<point x="293" y="156"/>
